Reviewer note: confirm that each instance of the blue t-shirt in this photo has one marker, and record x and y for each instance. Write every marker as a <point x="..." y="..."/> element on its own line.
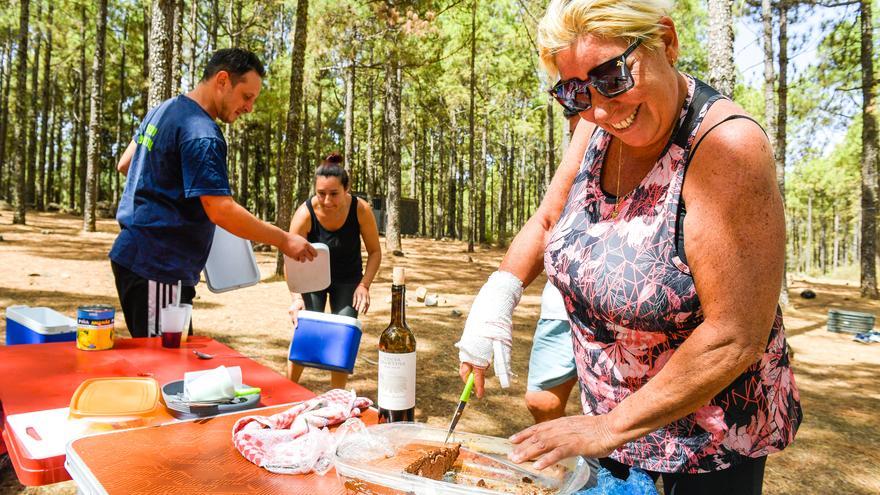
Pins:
<point x="181" y="155"/>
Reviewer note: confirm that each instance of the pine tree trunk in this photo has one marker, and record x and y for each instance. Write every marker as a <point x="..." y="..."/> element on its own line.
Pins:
<point x="121" y="143"/>
<point x="74" y="152"/>
<point x="472" y="217"/>
<point x="442" y="166"/>
<point x="82" y="115"/>
<point x="349" y="120"/>
<point x="44" y="122"/>
<point x="143" y="105"/>
<point x="96" y="112"/>
<point x="780" y="128"/>
<point x="161" y="51"/>
<point x="193" y="40"/>
<point x="30" y="177"/>
<point x="504" y="167"/>
<point x="452" y="183"/>
<point x="432" y="214"/>
<point x="412" y="162"/>
<point x="868" y="283"/>
<point x="423" y="206"/>
<point x="550" y="167"/>
<point x="392" y="201"/>
<point x="177" y="46"/>
<point x="306" y="171"/>
<point x="213" y="26"/>
<point x="288" y="171"/>
<point x="82" y="125"/>
<point x="484" y="156"/>
<point x="21" y="114"/>
<point x="370" y="172"/>
<point x="6" y="75"/>
<point x="722" y="72"/>
<point x="319" y="120"/>
<point x="53" y="167"/>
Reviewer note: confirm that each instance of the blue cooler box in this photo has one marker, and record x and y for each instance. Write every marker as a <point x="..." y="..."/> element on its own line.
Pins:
<point x="325" y="341"/>
<point x="26" y="325"/>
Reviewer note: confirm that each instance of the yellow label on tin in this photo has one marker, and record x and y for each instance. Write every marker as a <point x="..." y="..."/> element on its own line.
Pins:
<point x="95" y="338"/>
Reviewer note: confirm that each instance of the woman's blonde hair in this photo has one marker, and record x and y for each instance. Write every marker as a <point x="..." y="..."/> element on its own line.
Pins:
<point x="567" y="20"/>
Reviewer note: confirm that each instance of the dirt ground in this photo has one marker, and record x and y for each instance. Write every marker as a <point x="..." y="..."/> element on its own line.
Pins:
<point x="50" y="262"/>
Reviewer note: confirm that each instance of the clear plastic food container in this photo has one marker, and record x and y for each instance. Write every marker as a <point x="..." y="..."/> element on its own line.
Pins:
<point x="482" y="466"/>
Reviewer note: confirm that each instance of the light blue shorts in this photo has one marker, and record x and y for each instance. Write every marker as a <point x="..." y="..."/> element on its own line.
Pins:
<point x="552" y="360"/>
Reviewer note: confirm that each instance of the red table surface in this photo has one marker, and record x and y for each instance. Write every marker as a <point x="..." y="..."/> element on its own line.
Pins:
<point x="190" y="457"/>
<point x="37" y="377"/>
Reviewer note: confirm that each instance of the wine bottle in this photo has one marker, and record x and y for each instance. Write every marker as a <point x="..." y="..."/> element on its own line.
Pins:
<point x="397" y="360"/>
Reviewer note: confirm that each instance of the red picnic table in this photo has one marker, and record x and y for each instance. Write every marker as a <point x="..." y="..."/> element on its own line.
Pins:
<point x="194" y="456"/>
<point x="42" y="377"/>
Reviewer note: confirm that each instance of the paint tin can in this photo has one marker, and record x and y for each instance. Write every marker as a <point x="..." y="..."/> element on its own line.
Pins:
<point x="95" y="327"/>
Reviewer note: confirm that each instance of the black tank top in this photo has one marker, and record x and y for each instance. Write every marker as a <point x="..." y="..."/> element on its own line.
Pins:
<point x="344" y="243"/>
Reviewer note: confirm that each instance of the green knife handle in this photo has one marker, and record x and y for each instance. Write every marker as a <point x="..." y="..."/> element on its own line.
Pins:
<point x="468" y="387"/>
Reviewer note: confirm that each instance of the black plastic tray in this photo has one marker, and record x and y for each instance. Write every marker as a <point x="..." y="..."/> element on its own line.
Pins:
<point x="174" y="390"/>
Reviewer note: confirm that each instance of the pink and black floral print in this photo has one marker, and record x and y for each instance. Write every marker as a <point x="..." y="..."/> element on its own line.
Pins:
<point x="632" y="302"/>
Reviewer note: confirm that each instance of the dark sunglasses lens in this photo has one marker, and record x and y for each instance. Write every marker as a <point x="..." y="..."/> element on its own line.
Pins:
<point x="573" y="95"/>
<point x="612" y="78"/>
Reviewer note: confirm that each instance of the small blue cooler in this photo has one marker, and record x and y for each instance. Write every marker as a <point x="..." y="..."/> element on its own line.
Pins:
<point x="26" y="325"/>
<point x="325" y="341"/>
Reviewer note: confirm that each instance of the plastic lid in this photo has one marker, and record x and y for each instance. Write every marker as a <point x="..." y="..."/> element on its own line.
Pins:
<point x="309" y="276"/>
<point x="115" y="397"/>
<point x="231" y="263"/>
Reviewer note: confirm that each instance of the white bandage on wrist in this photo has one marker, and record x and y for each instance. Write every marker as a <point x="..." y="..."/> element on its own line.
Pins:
<point x="487" y="335"/>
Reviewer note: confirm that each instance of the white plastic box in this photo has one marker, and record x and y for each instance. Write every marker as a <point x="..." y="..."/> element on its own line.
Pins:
<point x="26" y="325"/>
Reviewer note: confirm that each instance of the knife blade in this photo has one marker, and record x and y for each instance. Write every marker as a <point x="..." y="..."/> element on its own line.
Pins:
<point x="462" y="402"/>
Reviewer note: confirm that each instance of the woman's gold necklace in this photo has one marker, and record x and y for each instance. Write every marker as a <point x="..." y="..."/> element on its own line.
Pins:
<point x="618" y="199"/>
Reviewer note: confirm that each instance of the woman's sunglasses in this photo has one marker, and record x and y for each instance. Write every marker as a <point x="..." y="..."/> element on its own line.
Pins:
<point x="611" y="78"/>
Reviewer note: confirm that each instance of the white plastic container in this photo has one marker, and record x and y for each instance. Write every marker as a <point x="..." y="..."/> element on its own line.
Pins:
<point x="309" y="276"/>
<point x="26" y="325"/>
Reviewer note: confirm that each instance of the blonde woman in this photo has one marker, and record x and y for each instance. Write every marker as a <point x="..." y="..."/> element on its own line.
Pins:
<point x="663" y="229"/>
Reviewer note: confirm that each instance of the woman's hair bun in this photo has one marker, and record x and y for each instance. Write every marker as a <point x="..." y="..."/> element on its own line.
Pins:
<point x="333" y="157"/>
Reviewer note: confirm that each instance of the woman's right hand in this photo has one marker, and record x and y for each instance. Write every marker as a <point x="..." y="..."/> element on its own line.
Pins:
<point x="465" y="369"/>
<point x="294" y="309"/>
<point x="487" y="335"/>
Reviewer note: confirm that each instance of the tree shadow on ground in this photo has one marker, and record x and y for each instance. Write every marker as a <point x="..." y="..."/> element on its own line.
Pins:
<point x="835" y="449"/>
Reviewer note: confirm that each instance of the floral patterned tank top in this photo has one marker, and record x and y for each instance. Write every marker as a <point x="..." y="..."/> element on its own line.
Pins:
<point x="631" y="301"/>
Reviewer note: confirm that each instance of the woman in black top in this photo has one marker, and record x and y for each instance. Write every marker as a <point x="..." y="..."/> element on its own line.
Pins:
<point x="338" y="219"/>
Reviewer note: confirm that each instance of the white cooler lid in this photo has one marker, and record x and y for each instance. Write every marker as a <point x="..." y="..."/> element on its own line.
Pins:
<point x="45" y="321"/>
<point x="309" y="276"/>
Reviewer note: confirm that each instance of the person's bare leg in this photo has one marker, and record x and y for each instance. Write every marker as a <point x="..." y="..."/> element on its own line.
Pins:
<point x="338" y="379"/>
<point x="549" y="404"/>
<point x="294" y="371"/>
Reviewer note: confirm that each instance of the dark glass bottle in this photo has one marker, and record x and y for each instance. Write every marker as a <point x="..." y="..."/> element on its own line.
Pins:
<point x="397" y="360"/>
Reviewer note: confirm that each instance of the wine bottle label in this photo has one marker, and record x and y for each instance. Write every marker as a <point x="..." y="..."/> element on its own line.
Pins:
<point x="397" y="380"/>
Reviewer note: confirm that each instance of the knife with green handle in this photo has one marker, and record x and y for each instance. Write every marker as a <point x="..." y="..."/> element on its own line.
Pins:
<point x="462" y="401"/>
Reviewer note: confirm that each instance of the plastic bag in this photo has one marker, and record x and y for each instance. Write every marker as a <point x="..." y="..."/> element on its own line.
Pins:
<point x="310" y="452"/>
<point x="354" y="442"/>
<point x="638" y="483"/>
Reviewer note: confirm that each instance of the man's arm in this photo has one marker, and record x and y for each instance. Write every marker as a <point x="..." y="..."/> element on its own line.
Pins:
<point x="225" y="212"/>
<point x="125" y="159"/>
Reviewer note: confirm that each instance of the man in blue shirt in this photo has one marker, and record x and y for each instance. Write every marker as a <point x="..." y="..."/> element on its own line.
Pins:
<point x="177" y="190"/>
